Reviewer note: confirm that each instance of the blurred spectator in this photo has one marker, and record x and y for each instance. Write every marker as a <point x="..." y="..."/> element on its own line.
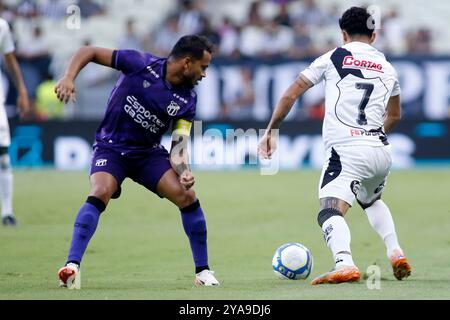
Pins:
<point x="34" y="48"/>
<point x="130" y="40"/>
<point x="381" y="43"/>
<point x="252" y="40"/>
<point x="191" y="17"/>
<point x="254" y="14"/>
<point x="332" y="15"/>
<point x="53" y="9"/>
<point x="394" y="33"/>
<point x="278" y="39"/>
<point x="302" y="43"/>
<point x="239" y="96"/>
<point x="311" y="15"/>
<point x="90" y="8"/>
<point x="6" y="13"/>
<point x="209" y="32"/>
<point x="27" y="8"/>
<point x="253" y="35"/>
<point x="229" y="38"/>
<point x="166" y="37"/>
<point x="48" y="105"/>
<point x="283" y="14"/>
<point x="34" y="57"/>
<point x="419" y="42"/>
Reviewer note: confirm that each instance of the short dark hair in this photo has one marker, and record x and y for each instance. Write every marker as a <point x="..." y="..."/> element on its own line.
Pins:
<point x="357" y="21"/>
<point x="191" y="45"/>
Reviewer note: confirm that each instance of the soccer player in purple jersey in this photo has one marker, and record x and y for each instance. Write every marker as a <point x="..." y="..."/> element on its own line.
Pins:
<point x="152" y="95"/>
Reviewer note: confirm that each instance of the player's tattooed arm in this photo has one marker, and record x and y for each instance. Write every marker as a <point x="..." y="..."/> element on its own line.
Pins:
<point x="267" y="144"/>
<point x="295" y="90"/>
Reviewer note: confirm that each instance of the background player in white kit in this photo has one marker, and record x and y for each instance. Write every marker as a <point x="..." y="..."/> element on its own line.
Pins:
<point x="362" y="102"/>
<point x="6" y="177"/>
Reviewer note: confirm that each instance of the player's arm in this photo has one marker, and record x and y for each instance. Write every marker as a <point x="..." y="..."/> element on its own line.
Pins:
<point x="267" y="145"/>
<point x="13" y="69"/>
<point x="179" y="158"/>
<point x="65" y="88"/>
<point x="393" y="113"/>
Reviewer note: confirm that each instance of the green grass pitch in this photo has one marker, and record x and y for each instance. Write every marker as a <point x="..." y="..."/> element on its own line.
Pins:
<point x="140" y="250"/>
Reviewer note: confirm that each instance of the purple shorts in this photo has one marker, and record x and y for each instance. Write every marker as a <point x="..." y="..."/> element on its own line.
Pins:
<point x="146" y="170"/>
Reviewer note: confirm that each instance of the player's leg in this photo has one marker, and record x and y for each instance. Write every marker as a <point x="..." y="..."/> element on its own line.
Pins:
<point x="335" y="200"/>
<point x="103" y="185"/>
<point x="106" y="176"/>
<point x="192" y="216"/>
<point x="156" y="174"/>
<point x="6" y="188"/>
<point x="337" y="236"/>
<point x="194" y="223"/>
<point x="368" y="195"/>
<point x="380" y="218"/>
<point x="6" y="174"/>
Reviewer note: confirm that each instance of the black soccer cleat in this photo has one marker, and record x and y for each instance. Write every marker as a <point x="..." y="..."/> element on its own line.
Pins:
<point x="9" y="221"/>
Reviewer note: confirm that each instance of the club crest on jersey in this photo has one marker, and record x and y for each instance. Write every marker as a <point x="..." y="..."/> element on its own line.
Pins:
<point x="350" y="62"/>
<point x="146" y="84"/>
<point x="101" y="162"/>
<point x="173" y="108"/>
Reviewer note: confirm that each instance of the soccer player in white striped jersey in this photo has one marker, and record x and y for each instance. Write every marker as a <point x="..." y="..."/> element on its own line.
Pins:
<point x="6" y="175"/>
<point x="362" y="102"/>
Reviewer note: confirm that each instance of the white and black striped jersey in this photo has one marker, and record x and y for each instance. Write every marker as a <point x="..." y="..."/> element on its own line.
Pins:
<point x="358" y="84"/>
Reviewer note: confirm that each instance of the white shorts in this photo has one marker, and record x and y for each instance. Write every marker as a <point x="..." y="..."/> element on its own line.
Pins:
<point x="5" y="137"/>
<point x="355" y="172"/>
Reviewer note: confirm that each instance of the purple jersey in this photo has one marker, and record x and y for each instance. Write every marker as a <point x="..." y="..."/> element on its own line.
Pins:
<point x="143" y="104"/>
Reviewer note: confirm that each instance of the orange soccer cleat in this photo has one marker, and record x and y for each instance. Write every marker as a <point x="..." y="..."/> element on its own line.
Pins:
<point x="339" y="275"/>
<point x="70" y="276"/>
<point x="400" y="265"/>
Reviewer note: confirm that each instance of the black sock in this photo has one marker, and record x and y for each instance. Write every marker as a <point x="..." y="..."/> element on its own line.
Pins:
<point x="200" y="269"/>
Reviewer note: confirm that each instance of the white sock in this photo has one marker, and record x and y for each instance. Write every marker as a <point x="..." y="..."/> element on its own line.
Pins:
<point x="337" y="235"/>
<point x="6" y="188"/>
<point x="380" y="219"/>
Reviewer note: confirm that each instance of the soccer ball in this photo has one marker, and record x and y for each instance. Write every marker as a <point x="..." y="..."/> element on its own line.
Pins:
<point x="292" y="261"/>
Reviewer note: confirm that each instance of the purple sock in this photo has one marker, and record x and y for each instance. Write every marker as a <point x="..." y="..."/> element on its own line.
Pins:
<point x="85" y="226"/>
<point x="195" y="227"/>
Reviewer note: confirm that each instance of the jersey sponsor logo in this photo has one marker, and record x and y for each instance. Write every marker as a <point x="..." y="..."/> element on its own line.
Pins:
<point x="101" y="162"/>
<point x="172" y="108"/>
<point x="180" y="98"/>
<point x="142" y="116"/>
<point x="360" y="133"/>
<point x="351" y="62"/>
<point x="153" y="72"/>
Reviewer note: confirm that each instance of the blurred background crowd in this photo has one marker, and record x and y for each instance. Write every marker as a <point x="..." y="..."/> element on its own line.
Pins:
<point x="47" y="33"/>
